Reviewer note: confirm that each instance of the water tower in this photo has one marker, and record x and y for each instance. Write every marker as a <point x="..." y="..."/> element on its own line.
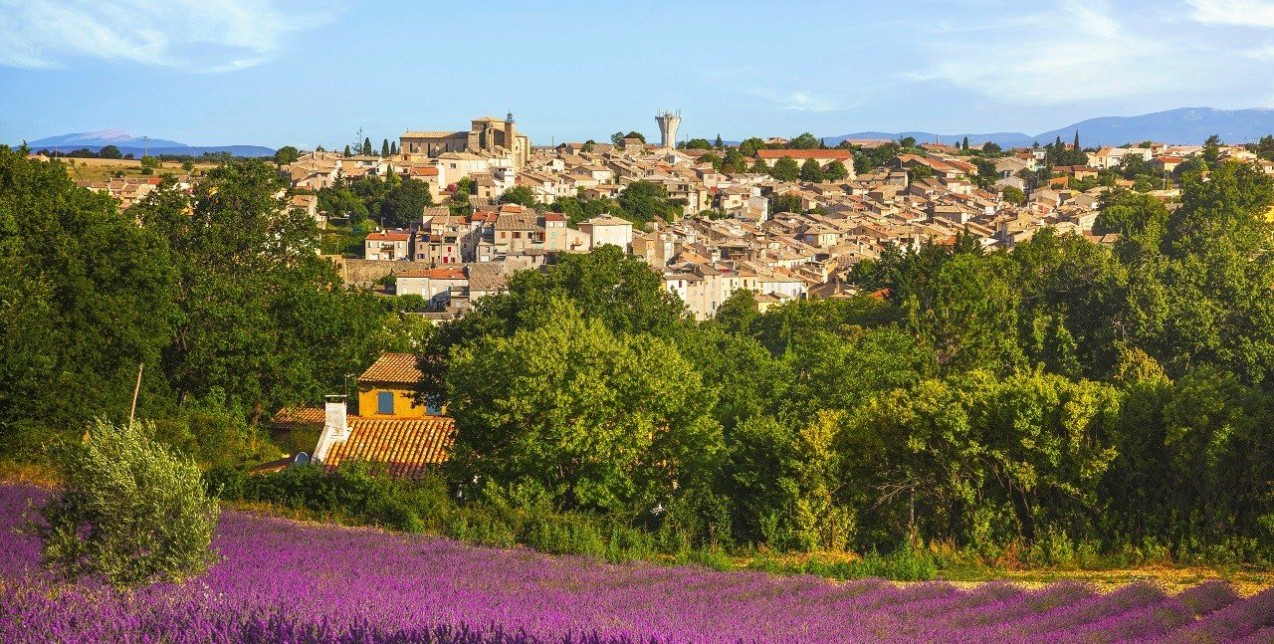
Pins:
<point x="668" y="122"/>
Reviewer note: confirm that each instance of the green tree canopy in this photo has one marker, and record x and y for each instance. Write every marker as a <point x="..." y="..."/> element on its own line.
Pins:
<point x="805" y="141"/>
<point x="786" y="203"/>
<point x="811" y="171"/>
<point x="86" y="295"/>
<point x="785" y="169"/>
<point x="405" y="203"/>
<point x="286" y="154"/>
<point x="597" y="420"/>
<point x="644" y="201"/>
<point x="749" y="146"/>
<point x="836" y="171"/>
<point x="521" y="195"/>
<point x="253" y="297"/>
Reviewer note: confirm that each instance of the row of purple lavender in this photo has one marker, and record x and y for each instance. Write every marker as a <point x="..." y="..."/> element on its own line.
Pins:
<point x="281" y="581"/>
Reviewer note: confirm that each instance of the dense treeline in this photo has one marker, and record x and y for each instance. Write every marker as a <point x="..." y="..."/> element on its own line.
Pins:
<point x="219" y="293"/>
<point x="1062" y="400"/>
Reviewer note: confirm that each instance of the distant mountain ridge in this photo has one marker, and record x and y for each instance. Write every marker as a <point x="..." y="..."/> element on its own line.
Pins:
<point x="128" y="143"/>
<point x="1187" y="125"/>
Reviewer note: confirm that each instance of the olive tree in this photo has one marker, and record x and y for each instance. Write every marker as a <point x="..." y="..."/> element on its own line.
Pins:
<point x="130" y="511"/>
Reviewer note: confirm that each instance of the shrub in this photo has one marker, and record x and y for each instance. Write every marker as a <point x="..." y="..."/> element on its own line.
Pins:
<point x="130" y="511"/>
<point x="565" y="534"/>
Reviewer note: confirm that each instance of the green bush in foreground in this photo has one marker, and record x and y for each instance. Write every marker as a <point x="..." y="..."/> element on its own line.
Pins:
<point x="130" y="511"/>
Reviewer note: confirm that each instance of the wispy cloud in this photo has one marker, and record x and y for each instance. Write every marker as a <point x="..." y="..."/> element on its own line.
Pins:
<point x="805" y="102"/>
<point x="1241" y="13"/>
<point x="796" y="100"/>
<point x="196" y="35"/>
<point x="1077" y="50"/>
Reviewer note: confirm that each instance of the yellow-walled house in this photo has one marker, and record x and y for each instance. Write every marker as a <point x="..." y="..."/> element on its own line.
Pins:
<point x="387" y="389"/>
<point x="389" y="430"/>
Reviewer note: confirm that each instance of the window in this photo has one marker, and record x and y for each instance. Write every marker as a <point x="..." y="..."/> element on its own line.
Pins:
<point x="432" y="408"/>
<point x="385" y="403"/>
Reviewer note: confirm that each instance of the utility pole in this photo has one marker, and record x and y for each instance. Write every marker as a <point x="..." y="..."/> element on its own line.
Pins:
<point x="132" y="411"/>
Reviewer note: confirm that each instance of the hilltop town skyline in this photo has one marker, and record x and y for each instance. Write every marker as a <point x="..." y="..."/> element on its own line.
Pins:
<point x="1185" y="125"/>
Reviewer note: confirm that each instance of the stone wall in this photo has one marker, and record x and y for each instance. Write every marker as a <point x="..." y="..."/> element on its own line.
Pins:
<point x="365" y="272"/>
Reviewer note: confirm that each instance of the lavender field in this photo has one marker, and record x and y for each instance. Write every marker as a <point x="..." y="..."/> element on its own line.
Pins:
<point x="280" y="581"/>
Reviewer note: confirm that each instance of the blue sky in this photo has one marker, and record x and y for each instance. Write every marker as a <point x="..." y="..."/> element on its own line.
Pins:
<point x="276" y="72"/>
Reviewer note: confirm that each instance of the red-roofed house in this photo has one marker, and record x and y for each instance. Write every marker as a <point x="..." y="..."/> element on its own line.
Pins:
<point x="388" y="245"/>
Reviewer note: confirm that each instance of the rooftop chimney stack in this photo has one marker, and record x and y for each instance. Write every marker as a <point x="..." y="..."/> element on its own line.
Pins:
<point x="335" y="427"/>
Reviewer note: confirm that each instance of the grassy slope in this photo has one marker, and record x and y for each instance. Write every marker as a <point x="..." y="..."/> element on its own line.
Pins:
<point x="102" y="169"/>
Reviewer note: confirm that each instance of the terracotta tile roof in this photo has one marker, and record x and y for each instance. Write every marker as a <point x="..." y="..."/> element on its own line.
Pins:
<point x="393" y="368"/>
<point x="390" y="235"/>
<point x="431" y="134"/>
<point x="406" y="446"/>
<point x="436" y="274"/>
<point x="300" y="416"/>
<point x="805" y="154"/>
<point x="516" y="221"/>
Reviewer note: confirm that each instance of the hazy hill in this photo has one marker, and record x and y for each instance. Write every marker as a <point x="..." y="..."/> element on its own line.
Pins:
<point x="1187" y="125"/>
<point x="128" y="143"/>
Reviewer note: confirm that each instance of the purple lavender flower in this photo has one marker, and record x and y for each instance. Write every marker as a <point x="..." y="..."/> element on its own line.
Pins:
<point x="283" y="581"/>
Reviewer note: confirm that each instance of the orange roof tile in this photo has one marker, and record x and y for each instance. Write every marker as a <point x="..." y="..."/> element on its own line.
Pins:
<point x="300" y="416"/>
<point x="436" y="273"/>
<point x="393" y="368"/>
<point x="390" y="235"/>
<point x="406" y="446"/>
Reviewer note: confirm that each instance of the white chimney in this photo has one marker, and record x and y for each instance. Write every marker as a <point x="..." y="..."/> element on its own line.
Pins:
<point x="335" y="429"/>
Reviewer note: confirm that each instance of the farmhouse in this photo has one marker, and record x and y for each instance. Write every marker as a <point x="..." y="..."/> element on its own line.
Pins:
<point x="390" y="429"/>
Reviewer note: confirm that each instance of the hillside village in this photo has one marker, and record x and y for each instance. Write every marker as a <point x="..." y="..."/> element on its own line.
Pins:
<point x="782" y="239"/>
<point x="779" y="236"/>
